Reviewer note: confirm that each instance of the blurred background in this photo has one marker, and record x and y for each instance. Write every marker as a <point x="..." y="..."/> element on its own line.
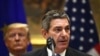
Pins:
<point x="95" y="6"/>
<point x="84" y="16"/>
<point x="35" y="9"/>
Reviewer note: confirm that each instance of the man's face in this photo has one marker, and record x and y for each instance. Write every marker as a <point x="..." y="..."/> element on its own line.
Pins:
<point x="16" y="39"/>
<point x="60" y="31"/>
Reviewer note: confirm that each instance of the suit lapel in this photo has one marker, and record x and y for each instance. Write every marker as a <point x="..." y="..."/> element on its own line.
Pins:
<point x="68" y="52"/>
<point x="44" y="52"/>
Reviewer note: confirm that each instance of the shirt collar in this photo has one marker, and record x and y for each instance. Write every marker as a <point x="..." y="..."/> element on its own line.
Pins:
<point x="10" y="54"/>
<point x="50" y="52"/>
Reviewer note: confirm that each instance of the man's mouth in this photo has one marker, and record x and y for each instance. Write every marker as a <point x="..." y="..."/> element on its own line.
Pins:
<point x="62" y="41"/>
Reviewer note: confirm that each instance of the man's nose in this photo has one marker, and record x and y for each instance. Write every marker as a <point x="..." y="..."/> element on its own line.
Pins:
<point x="16" y="37"/>
<point x="64" y="32"/>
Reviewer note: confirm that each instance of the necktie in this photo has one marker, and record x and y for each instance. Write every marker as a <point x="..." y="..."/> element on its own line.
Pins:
<point x="57" y="54"/>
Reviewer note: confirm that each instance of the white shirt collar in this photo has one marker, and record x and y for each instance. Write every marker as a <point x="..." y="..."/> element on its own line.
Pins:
<point x="50" y="52"/>
<point x="10" y="54"/>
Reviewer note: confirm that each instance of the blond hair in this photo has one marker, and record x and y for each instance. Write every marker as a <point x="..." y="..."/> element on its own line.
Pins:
<point x="16" y="25"/>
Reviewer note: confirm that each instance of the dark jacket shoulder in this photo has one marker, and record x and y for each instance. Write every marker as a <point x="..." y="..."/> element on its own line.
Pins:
<point x="73" y="52"/>
<point x="43" y="52"/>
<point x="39" y="52"/>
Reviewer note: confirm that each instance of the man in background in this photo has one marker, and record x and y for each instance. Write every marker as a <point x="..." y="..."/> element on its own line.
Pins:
<point x="16" y="38"/>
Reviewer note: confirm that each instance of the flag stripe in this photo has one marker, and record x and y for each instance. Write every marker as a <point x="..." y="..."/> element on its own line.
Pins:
<point x="97" y="47"/>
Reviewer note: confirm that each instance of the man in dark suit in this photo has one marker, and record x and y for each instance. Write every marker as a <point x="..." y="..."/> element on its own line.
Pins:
<point x="56" y="24"/>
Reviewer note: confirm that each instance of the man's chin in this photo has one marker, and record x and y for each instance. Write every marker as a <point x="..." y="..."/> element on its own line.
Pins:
<point x="63" y="46"/>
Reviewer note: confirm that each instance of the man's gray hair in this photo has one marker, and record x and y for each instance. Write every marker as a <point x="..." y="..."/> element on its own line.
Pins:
<point x="53" y="14"/>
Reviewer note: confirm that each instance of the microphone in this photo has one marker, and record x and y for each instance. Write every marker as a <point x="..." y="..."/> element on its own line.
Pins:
<point x="51" y="45"/>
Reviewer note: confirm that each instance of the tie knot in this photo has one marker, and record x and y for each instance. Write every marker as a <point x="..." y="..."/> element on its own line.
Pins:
<point x="57" y="54"/>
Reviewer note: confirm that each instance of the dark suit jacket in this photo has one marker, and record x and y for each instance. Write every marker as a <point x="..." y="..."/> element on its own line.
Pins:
<point x="43" y="52"/>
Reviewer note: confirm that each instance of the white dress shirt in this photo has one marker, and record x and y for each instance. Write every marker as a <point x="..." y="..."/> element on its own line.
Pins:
<point x="50" y="52"/>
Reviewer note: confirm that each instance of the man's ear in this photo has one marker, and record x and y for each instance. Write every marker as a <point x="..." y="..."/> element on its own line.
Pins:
<point x="44" y="33"/>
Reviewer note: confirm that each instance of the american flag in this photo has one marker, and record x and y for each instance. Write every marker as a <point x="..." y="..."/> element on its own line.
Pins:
<point x="84" y="35"/>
